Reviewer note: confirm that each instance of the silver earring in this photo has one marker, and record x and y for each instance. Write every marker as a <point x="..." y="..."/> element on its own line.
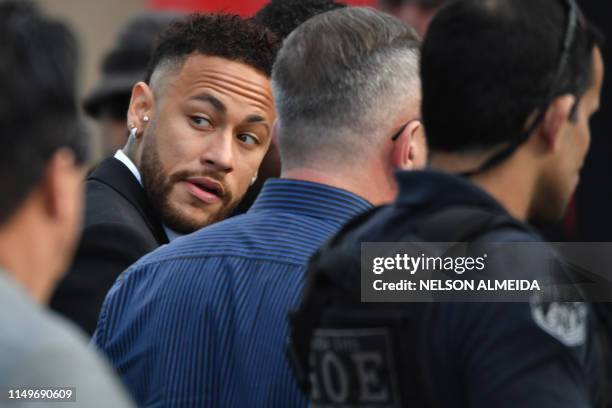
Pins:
<point x="254" y="179"/>
<point x="133" y="133"/>
<point x="145" y="118"/>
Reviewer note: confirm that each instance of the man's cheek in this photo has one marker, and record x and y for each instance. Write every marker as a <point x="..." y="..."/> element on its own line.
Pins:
<point x="176" y="194"/>
<point x="238" y="190"/>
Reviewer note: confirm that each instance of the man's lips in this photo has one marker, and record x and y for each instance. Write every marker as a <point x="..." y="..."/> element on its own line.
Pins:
<point x="205" y="189"/>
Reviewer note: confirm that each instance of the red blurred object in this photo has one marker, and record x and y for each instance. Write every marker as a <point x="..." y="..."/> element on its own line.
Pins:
<point x="569" y="222"/>
<point x="245" y="8"/>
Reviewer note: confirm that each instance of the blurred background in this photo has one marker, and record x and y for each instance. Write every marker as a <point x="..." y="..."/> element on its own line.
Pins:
<point x="98" y="23"/>
<point x="101" y="29"/>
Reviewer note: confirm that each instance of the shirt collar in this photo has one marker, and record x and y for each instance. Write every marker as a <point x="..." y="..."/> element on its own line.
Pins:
<point x="171" y="234"/>
<point x="123" y="158"/>
<point x="432" y="190"/>
<point x="313" y="199"/>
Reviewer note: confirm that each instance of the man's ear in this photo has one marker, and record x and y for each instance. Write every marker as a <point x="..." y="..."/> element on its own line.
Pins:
<point x="555" y="119"/>
<point x="56" y="188"/>
<point x="409" y="152"/>
<point x="141" y="107"/>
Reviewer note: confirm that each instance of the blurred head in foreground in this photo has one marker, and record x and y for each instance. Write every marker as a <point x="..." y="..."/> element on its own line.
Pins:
<point x="509" y="87"/>
<point x="44" y="150"/>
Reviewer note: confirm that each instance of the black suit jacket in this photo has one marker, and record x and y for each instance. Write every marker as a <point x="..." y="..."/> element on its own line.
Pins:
<point x="119" y="227"/>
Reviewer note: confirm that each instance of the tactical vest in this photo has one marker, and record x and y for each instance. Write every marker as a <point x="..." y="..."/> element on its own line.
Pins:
<point x="345" y="353"/>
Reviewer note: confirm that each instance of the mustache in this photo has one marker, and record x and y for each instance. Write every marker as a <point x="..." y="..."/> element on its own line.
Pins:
<point x="218" y="177"/>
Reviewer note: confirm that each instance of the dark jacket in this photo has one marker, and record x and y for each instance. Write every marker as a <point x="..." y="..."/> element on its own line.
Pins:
<point x="119" y="227"/>
<point x="440" y="354"/>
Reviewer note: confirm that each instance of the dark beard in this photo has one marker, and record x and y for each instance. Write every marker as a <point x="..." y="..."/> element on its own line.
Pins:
<point x="158" y="186"/>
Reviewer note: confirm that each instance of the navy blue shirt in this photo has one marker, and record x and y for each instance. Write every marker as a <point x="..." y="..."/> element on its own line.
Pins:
<point x="478" y="354"/>
<point x="202" y="321"/>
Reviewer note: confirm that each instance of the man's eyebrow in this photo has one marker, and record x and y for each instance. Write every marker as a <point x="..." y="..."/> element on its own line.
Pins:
<point x="254" y="118"/>
<point x="215" y="102"/>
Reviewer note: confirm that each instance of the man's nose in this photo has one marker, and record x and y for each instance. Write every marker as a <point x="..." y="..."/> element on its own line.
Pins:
<point x="218" y="152"/>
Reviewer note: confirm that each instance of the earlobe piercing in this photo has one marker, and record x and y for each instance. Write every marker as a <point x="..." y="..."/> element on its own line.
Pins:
<point x="254" y="179"/>
<point x="145" y="118"/>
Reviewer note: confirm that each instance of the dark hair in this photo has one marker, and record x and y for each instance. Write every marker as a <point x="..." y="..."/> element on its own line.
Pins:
<point x="284" y="16"/>
<point x="488" y="66"/>
<point x="38" y="106"/>
<point x="219" y="35"/>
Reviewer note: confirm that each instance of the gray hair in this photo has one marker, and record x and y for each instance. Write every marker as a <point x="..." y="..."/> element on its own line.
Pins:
<point x="340" y="80"/>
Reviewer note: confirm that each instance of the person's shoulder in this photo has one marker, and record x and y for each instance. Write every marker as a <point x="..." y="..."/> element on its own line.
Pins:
<point x="104" y="237"/>
<point x="112" y="220"/>
<point x="370" y="226"/>
<point x="166" y="274"/>
<point x="189" y="248"/>
<point x="45" y="350"/>
<point x="511" y="233"/>
<point x="98" y="192"/>
<point x="29" y="324"/>
<point x="560" y="325"/>
<point x="34" y="331"/>
<point x="112" y="194"/>
<point x="103" y="203"/>
<point x="101" y="181"/>
<point x="507" y="350"/>
<point x="234" y="236"/>
<point x="199" y="254"/>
